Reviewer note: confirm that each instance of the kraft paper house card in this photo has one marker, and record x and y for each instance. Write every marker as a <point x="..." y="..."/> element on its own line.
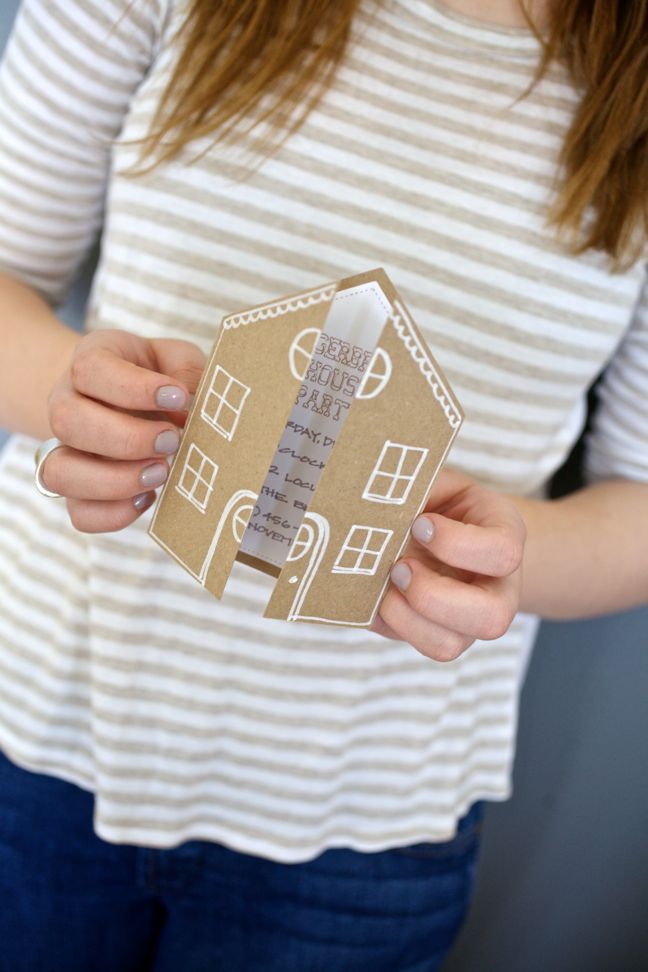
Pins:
<point x="319" y="426"/>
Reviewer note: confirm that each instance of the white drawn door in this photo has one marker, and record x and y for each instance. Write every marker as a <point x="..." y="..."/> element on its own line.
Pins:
<point x="305" y="556"/>
<point x="234" y="517"/>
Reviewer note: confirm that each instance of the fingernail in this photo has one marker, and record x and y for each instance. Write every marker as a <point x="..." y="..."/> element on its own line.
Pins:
<point x="401" y="576"/>
<point x="171" y="399"/>
<point x="154" y="475"/>
<point x="143" y="501"/>
<point x="167" y="442"/>
<point x="422" y="529"/>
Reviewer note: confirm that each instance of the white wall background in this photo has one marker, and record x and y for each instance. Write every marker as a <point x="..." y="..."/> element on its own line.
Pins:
<point x="563" y="884"/>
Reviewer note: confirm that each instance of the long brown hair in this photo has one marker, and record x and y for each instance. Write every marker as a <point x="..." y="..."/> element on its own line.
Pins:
<point x="243" y="62"/>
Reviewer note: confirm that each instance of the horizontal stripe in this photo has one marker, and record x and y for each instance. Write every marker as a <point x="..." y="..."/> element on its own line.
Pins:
<point x="240" y="813"/>
<point x="57" y="714"/>
<point x="264" y="710"/>
<point x="459" y="314"/>
<point x="561" y="290"/>
<point x="127" y="759"/>
<point x="112" y="673"/>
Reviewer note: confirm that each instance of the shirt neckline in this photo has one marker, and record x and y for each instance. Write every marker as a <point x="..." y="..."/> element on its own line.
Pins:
<point x="463" y="28"/>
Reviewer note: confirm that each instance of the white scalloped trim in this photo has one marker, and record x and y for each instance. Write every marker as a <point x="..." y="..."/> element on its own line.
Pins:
<point x="278" y="308"/>
<point x="403" y="327"/>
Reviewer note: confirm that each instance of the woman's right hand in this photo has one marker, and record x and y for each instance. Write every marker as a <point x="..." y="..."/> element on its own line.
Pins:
<point x="118" y="409"/>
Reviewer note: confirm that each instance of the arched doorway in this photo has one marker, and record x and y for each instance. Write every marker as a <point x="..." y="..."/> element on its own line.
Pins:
<point x="237" y="511"/>
<point x="306" y="552"/>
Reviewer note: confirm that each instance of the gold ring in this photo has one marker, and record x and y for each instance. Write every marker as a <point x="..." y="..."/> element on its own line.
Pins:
<point x="40" y="456"/>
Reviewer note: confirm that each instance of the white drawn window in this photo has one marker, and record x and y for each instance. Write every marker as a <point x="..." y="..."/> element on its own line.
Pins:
<point x="224" y="402"/>
<point x="301" y="352"/>
<point x="240" y="521"/>
<point x="302" y="542"/>
<point x="362" y="550"/>
<point x="197" y="478"/>
<point x="376" y="376"/>
<point x="393" y="475"/>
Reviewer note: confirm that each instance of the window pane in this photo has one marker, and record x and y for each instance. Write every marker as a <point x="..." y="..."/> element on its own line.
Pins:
<point x="368" y="561"/>
<point x="201" y="492"/>
<point x="236" y="394"/>
<point x="194" y="461"/>
<point x="227" y="418"/>
<point x="390" y="459"/>
<point x="412" y="461"/>
<point x="220" y="381"/>
<point x="347" y="560"/>
<point x="212" y="403"/>
<point x="400" y="488"/>
<point x="358" y="536"/>
<point x="377" y="541"/>
<point x="188" y="479"/>
<point x="381" y="485"/>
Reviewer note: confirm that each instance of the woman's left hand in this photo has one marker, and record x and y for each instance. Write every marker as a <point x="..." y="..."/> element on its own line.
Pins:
<point x="459" y="578"/>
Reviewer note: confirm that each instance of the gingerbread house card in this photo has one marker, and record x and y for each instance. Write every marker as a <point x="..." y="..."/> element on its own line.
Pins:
<point x="315" y="436"/>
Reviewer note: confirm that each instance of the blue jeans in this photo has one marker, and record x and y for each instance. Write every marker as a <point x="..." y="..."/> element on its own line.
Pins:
<point x="71" y="902"/>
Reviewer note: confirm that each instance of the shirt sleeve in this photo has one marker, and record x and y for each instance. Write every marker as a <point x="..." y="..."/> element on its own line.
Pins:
<point x="67" y="78"/>
<point x="617" y="445"/>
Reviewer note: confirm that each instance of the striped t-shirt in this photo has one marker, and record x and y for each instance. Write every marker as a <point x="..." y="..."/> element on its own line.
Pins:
<point x="193" y="718"/>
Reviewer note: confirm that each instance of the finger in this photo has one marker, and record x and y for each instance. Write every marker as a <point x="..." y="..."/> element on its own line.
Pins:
<point x="102" y="374"/>
<point x="90" y="516"/>
<point x="492" y="548"/>
<point x="431" y="639"/>
<point x="448" y="485"/>
<point x="182" y="360"/>
<point x="126" y="372"/>
<point x="482" y="609"/>
<point x="380" y="626"/>
<point x="89" y="426"/>
<point x="78" y="475"/>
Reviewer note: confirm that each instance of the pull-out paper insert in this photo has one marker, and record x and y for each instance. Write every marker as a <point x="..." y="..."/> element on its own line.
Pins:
<point x="332" y="364"/>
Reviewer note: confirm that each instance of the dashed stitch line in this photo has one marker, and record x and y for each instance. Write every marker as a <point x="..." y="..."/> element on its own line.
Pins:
<point x="403" y="328"/>
<point x="281" y="307"/>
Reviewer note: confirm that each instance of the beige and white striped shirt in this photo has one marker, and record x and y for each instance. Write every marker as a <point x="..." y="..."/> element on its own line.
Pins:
<point x="191" y="718"/>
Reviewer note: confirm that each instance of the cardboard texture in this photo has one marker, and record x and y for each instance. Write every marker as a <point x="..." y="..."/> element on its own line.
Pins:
<point x="318" y="429"/>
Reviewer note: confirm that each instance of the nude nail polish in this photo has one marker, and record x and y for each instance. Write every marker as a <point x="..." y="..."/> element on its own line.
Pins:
<point x="154" y="475"/>
<point x="422" y="529"/>
<point x="167" y="442"/>
<point x="171" y="399"/>
<point x="401" y="576"/>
